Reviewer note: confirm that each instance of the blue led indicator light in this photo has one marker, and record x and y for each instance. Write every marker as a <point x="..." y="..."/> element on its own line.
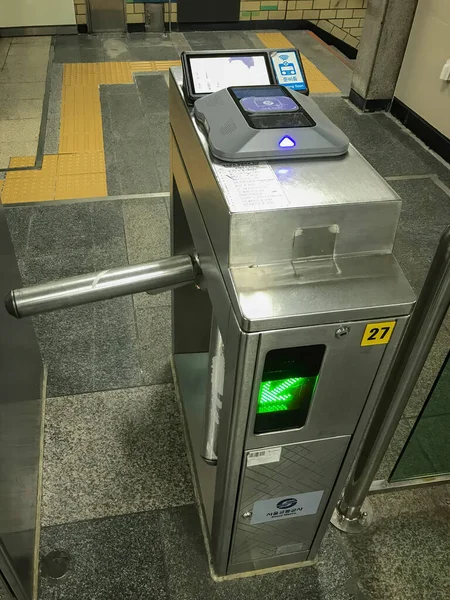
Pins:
<point x="286" y="142"/>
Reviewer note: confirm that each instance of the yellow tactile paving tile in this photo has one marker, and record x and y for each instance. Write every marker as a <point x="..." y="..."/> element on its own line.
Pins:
<point x="81" y="121"/>
<point x="76" y="74"/>
<point x="317" y="81"/>
<point x="88" y="185"/>
<point x="275" y="40"/>
<point x="165" y="65"/>
<point x="31" y="186"/>
<point x="142" y="66"/>
<point x="18" y="162"/>
<point x="82" y="163"/>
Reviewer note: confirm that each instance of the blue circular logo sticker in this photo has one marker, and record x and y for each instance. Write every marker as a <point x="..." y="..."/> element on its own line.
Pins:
<point x="287" y="503"/>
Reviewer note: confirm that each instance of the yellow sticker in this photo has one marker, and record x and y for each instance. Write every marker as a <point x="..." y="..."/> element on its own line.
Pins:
<point x="377" y="333"/>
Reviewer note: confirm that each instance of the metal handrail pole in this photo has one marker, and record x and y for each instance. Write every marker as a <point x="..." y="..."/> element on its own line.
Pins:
<point x="426" y="320"/>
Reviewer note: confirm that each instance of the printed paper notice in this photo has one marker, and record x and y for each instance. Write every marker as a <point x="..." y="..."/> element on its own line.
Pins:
<point x="250" y="186"/>
<point x="264" y="456"/>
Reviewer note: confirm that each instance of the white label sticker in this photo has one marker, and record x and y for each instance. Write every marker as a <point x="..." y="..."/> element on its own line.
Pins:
<point x="264" y="456"/>
<point x="250" y="186"/>
<point x="286" y="507"/>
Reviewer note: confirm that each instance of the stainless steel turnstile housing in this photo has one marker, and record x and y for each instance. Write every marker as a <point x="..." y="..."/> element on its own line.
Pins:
<point x="288" y="307"/>
<point x="314" y="274"/>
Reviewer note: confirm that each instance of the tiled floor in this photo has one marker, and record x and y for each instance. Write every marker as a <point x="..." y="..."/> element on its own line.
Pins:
<point x="117" y="493"/>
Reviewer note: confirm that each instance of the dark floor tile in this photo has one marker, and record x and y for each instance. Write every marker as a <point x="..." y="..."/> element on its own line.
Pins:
<point x="118" y="557"/>
<point x="141" y="53"/>
<point x="154" y="330"/>
<point x="114" y="452"/>
<point x="154" y="93"/>
<point x="234" y="40"/>
<point x="126" y="114"/>
<point x="388" y="154"/>
<point x="79" y="54"/>
<point x="80" y="41"/>
<point x="189" y="577"/>
<point x="203" y="40"/>
<point x="18" y="219"/>
<point x="137" y="168"/>
<point x="439" y="402"/>
<point x="413" y="461"/>
<point x="425" y="212"/>
<point x="395" y="448"/>
<point x="404" y="554"/>
<point x="158" y="128"/>
<point x="432" y="433"/>
<point x="148" y="39"/>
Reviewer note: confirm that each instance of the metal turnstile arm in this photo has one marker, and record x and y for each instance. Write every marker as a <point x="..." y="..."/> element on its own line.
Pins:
<point x="153" y="277"/>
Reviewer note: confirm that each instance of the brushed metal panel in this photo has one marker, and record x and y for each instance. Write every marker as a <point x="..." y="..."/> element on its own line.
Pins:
<point x="304" y="467"/>
<point x="106" y="15"/>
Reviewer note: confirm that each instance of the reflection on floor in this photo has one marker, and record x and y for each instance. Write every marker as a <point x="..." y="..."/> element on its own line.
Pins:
<point x="117" y="492"/>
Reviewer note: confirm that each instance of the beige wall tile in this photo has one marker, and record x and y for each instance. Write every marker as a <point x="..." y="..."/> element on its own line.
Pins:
<point x="245" y="17"/>
<point x="349" y="39"/>
<point x="130" y="9"/>
<point x="79" y="2"/>
<point x="80" y="9"/>
<point x="338" y="3"/>
<point x="325" y="25"/>
<point x="355" y="3"/>
<point x="337" y="22"/>
<point x="282" y="4"/>
<point x="277" y="14"/>
<point x="311" y="14"/>
<point x="250" y="6"/>
<point x="135" y="18"/>
<point x="339" y="33"/>
<point x="304" y="5"/>
<point x="81" y="19"/>
<point x="327" y="14"/>
<point x="321" y="4"/>
<point x="359" y="13"/>
<point x="291" y="5"/>
<point x="361" y="22"/>
<point x="294" y="14"/>
<point x="356" y="31"/>
<point x="344" y="14"/>
<point x="260" y="15"/>
<point x="139" y="7"/>
<point x="351" y="22"/>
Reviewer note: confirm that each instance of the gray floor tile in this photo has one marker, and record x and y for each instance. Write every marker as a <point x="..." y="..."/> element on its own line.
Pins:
<point x="150" y="39"/>
<point x="154" y="330"/>
<point x="26" y="73"/>
<point x="234" y="40"/>
<point x="20" y="91"/>
<point x="79" y="41"/>
<point x="154" y="93"/>
<point x="147" y="233"/>
<point x="19" y="130"/>
<point x="153" y="53"/>
<point x="54" y="110"/>
<point x="111" y="558"/>
<point x="116" y="49"/>
<point x="112" y="453"/>
<point x="203" y="40"/>
<point x="189" y="577"/>
<point x="390" y="156"/>
<point x="20" y="109"/>
<point x="180" y="42"/>
<point x="137" y="168"/>
<point x="404" y="554"/>
<point x="425" y="212"/>
<point x="32" y="40"/>
<point x="395" y="448"/>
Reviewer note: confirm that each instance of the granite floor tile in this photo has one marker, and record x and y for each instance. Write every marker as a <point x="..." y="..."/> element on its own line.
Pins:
<point x="118" y="557"/>
<point x="234" y="40"/>
<point x="430" y="372"/>
<point x="395" y="448"/>
<point x="19" y="130"/>
<point x="147" y="233"/>
<point x="153" y="53"/>
<point x="189" y="577"/>
<point x="54" y="110"/>
<point x="154" y="330"/>
<point x="203" y="40"/>
<point x="413" y="460"/>
<point x="23" y="73"/>
<point x="154" y="94"/>
<point x="425" y="211"/>
<point x="22" y="91"/>
<point x="13" y="148"/>
<point x="20" y="109"/>
<point x="150" y="39"/>
<point x="24" y="52"/>
<point x="439" y="403"/>
<point x="111" y="453"/>
<point x="5" y="45"/>
<point x="31" y="40"/>
<point x="136" y="168"/>
<point x="180" y="42"/>
<point x="126" y="113"/>
<point x="404" y="554"/>
<point x="390" y="156"/>
<point x="116" y="49"/>
<point x="18" y="219"/>
<point x="80" y="41"/>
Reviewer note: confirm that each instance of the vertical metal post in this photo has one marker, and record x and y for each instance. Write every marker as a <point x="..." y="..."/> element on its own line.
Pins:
<point x="353" y="511"/>
<point x="214" y="393"/>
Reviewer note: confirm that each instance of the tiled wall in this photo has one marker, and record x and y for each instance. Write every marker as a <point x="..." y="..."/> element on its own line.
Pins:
<point x="80" y="11"/>
<point x="342" y="18"/>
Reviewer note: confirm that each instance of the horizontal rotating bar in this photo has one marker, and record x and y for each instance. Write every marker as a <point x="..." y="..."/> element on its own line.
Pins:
<point x="153" y="277"/>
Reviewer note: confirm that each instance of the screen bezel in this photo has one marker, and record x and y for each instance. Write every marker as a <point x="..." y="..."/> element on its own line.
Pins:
<point x="188" y="81"/>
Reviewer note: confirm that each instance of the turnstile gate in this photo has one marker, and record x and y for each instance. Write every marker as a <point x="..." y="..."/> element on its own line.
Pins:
<point x="288" y="310"/>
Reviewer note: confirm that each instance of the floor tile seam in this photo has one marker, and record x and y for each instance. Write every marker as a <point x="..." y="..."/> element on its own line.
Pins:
<point x="434" y="177"/>
<point x="157" y="511"/>
<point x="166" y="386"/>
